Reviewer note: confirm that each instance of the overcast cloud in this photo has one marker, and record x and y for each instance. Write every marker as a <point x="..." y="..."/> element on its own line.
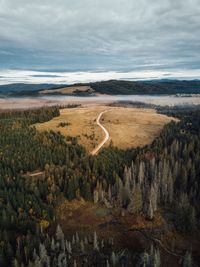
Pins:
<point x="100" y="35"/>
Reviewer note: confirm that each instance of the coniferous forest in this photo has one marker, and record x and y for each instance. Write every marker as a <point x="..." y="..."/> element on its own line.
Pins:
<point x="162" y="177"/>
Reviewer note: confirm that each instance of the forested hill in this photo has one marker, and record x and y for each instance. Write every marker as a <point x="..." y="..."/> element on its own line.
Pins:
<point x="147" y="87"/>
<point x="24" y="88"/>
<point x="111" y="87"/>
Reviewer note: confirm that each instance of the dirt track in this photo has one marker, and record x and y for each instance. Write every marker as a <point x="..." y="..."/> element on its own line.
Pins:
<point x="107" y="135"/>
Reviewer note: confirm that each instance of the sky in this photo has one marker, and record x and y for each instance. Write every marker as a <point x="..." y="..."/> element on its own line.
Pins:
<point x="69" y="41"/>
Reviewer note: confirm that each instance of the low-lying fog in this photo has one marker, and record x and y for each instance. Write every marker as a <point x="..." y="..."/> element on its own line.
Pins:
<point x="27" y="102"/>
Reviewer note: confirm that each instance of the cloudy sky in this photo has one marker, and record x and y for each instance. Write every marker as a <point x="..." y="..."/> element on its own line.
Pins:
<point x="107" y="38"/>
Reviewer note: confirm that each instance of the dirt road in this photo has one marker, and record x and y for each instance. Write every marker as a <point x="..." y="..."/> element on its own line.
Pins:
<point x="107" y="135"/>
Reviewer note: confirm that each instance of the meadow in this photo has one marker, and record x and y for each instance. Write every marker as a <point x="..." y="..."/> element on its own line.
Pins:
<point x="128" y="127"/>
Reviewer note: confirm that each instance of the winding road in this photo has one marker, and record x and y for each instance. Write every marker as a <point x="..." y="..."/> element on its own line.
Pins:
<point x="107" y="135"/>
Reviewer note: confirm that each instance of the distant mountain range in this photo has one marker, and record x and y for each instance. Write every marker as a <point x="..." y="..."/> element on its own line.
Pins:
<point x="111" y="87"/>
<point x="25" y="88"/>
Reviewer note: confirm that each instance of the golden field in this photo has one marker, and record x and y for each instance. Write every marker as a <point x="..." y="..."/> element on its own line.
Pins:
<point x="81" y="122"/>
<point x="132" y="127"/>
<point x="128" y="127"/>
<point x="69" y="90"/>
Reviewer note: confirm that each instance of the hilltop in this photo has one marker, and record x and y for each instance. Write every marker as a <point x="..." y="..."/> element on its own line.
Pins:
<point x="111" y="87"/>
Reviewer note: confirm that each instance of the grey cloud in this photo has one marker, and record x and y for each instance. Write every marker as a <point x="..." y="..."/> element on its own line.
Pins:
<point x="100" y="35"/>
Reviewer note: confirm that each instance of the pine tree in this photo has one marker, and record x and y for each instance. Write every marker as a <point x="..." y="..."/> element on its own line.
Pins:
<point x="114" y="259"/>
<point x="141" y="173"/>
<point x="150" y="213"/>
<point x="145" y="259"/>
<point x="42" y="253"/>
<point x="82" y="246"/>
<point x="59" y="233"/>
<point x="77" y="237"/>
<point x="95" y="242"/>
<point x="135" y="204"/>
<point x="187" y="261"/>
<point x="15" y="263"/>
<point x="157" y="261"/>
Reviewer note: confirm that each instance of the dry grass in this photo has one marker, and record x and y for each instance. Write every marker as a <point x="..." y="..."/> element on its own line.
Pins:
<point x="85" y="217"/>
<point x="69" y="90"/>
<point x="128" y="127"/>
<point x="81" y="215"/>
<point x="81" y="124"/>
<point x="132" y="127"/>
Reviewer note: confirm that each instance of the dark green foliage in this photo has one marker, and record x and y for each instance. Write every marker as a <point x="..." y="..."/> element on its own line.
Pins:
<point x="163" y="174"/>
<point x="25" y="89"/>
<point x="112" y="87"/>
<point x="63" y="124"/>
<point x="28" y="117"/>
<point x="149" y="87"/>
<point x="25" y="201"/>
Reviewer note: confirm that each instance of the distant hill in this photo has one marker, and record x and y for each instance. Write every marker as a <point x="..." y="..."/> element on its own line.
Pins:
<point x="111" y="87"/>
<point x="147" y="87"/>
<point x="22" y="88"/>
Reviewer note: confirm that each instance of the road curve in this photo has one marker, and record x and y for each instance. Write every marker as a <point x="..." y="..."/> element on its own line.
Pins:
<point x="107" y="135"/>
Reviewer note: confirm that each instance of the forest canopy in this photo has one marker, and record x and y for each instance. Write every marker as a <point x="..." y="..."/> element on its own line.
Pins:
<point x="163" y="175"/>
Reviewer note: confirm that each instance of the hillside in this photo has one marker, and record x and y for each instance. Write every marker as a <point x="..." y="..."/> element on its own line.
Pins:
<point x="147" y="87"/>
<point x="112" y="87"/>
<point x="116" y="87"/>
<point x="26" y="89"/>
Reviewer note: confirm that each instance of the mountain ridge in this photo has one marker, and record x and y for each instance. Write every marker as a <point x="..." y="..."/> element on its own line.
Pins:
<point x="110" y="87"/>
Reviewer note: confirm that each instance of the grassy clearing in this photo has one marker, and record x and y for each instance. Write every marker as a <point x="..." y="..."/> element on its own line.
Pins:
<point x="69" y="90"/>
<point x="90" y="217"/>
<point x="132" y="127"/>
<point x="128" y="127"/>
<point x="78" y="122"/>
<point x="86" y="217"/>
